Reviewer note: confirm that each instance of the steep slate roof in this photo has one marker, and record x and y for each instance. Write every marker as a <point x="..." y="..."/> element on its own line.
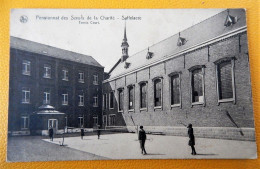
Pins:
<point x="199" y="33"/>
<point x="26" y="45"/>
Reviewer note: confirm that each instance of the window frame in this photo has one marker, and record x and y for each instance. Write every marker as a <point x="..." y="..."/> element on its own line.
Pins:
<point x="170" y="92"/>
<point x="24" y="127"/>
<point x="26" y="64"/>
<point x="110" y="108"/>
<point x="120" y="90"/>
<point x="161" y="81"/>
<point x="95" y="102"/>
<point x="46" y="68"/>
<point x="95" y="117"/>
<point x="109" y="121"/>
<point x="24" y="91"/>
<point x="64" y="102"/>
<point x="217" y="63"/>
<point x="146" y="97"/>
<point x="81" y="96"/>
<point x="95" y="80"/>
<point x="128" y="99"/>
<point x="65" y="74"/>
<point x="193" y="68"/>
<point x="46" y="95"/>
<point x="81" y="119"/>
<point x="81" y="78"/>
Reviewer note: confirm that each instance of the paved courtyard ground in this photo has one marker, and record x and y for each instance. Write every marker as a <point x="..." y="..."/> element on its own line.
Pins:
<point x="124" y="146"/>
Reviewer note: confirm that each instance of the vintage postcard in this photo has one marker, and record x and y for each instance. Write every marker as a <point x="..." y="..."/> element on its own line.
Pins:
<point x="109" y="84"/>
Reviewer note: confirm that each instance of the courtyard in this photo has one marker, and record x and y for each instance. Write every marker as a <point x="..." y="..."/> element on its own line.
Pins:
<point x="124" y="146"/>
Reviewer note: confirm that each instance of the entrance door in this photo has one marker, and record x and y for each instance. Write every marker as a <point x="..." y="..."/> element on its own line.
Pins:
<point x="104" y="121"/>
<point x="54" y="124"/>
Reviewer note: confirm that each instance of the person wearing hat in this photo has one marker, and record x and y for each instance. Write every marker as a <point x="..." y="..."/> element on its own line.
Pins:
<point x="142" y="138"/>
<point x="192" y="139"/>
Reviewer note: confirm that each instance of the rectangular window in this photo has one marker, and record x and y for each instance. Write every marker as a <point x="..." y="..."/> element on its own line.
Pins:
<point x="105" y="101"/>
<point x="197" y="86"/>
<point x="46" y="96"/>
<point x="81" y="99"/>
<point x="225" y="80"/>
<point x="95" y="103"/>
<point x="112" y="120"/>
<point x="143" y="95"/>
<point x="121" y="100"/>
<point x="81" y="122"/>
<point x="81" y="77"/>
<point x="24" y="122"/>
<point x="65" y="74"/>
<point x="111" y="100"/>
<point x="104" y="120"/>
<point x="65" y="97"/>
<point x="175" y="89"/>
<point x="26" y="67"/>
<point x="25" y="95"/>
<point x="158" y="92"/>
<point x="95" y="121"/>
<point x="95" y="81"/>
<point x="131" y="98"/>
<point x="47" y="71"/>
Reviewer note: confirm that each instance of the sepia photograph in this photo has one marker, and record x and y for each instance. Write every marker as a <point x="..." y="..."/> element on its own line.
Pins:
<point x="115" y="84"/>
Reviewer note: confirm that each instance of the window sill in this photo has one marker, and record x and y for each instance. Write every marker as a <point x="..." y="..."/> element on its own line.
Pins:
<point x="65" y="79"/>
<point x="143" y="109"/>
<point x="111" y="108"/>
<point x="226" y="100"/>
<point x="81" y="81"/>
<point x="197" y="103"/>
<point x="131" y="110"/>
<point x="25" y="102"/>
<point x="120" y="111"/>
<point x="158" y="107"/>
<point x="26" y="74"/>
<point x="175" y="105"/>
<point x="64" y="104"/>
<point x="45" y="77"/>
<point x="81" y="105"/>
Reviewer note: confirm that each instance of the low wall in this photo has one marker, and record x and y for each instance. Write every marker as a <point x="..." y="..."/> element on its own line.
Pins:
<point x="229" y="133"/>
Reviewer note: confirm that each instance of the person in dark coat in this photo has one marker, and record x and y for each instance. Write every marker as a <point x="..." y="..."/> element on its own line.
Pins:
<point x="142" y="138"/>
<point x="98" y="131"/>
<point x="82" y="132"/>
<point x="192" y="139"/>
<point x="51" y="133"/>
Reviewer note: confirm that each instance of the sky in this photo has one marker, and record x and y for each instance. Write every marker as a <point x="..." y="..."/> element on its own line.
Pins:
<point x="99" y="32"/>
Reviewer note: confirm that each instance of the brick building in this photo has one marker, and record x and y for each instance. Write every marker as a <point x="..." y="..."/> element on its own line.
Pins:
<point x="45" y="78"/>
<point x="200" y="76"/>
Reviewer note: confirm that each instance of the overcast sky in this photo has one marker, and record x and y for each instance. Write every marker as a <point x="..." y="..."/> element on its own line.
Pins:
<point x="101" y="37"/>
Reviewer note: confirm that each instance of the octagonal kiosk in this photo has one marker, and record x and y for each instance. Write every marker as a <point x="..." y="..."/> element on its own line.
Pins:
<point x="45" y="118"/>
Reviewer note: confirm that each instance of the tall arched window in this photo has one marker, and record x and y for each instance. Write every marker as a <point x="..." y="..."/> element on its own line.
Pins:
<point x="157" y="93"/>
<point x="121" y="99"/>
<point x="225" y="79"/>
<point x="131" y="97"/>
<point x="197" y="84"/>
<point x="143" y="95"/>
<point x="175" y="89"/>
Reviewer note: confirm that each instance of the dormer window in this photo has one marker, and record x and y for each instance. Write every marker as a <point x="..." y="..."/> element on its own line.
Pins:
<point x="127" y="64"/>
<point x="181" y="41"/>
<point x="149" y="54"/>
<point x="230" y="20"/>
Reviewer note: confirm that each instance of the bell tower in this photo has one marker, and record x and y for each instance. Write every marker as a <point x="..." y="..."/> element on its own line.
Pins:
<point x="124" y="47"/>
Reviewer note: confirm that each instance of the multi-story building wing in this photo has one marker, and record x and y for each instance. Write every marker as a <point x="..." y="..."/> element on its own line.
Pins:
<point x="45" y="75"/>
<point x="200" y="76"/>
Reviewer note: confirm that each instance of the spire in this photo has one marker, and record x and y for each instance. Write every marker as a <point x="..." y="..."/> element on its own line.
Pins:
<point x="124" y="47"/>
<point x="125" y="38"/>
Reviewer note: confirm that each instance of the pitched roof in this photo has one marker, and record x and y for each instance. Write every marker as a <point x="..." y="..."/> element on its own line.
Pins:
<point x="35" y="47"/>
<point x="199" y="33"/>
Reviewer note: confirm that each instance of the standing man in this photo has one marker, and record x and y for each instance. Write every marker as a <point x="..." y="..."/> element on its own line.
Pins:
<point x="98" y="131"/>
<point x="142" y="138"/>
<point x="82" y="132"/>
<point x="51" y="133"/>
<point x="192" y="139"/>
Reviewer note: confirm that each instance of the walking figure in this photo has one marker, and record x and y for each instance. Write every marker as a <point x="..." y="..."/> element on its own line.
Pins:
<point x="192" y="139"/>
<point x="51" y="133"/>
<point x="82" y="132"/>
<point x="142" y="138"/>
<point x="98" y="131"/>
